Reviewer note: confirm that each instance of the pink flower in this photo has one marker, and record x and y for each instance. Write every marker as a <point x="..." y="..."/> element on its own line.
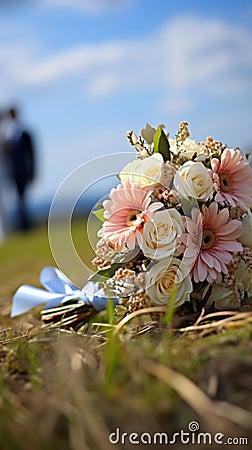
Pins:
<point x="232" y="178"/>
<point x="210" y="241"/>
<point x="126" y="213"/>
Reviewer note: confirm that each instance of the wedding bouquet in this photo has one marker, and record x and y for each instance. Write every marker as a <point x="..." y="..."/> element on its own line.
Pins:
<point x="178" y="225"/>
<point x="175" y="231"/>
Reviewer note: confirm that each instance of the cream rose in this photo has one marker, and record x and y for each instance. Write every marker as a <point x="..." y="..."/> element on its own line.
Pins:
<point x="193" y="180"/>
<point x="188" y="148"/>
<point x="223" y="297"/>
<point x="244" y="279"/>
<point x="145" y="171"/>
<point x="160" y="238"/>
<point x="166" y="277"/>
<point x="246" y="237"/>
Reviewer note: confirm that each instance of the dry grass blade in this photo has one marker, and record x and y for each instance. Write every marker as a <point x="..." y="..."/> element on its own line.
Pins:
<point x="235" y="319"/>
<point x="215" y="315"/>
<point x="215" y="321"/>
<point x="26" y="335"/>
<point x="201" y="317"/>
<point x="234" y="413"/>
<point x="217" y="415"/>
<point x="126" y="319"/>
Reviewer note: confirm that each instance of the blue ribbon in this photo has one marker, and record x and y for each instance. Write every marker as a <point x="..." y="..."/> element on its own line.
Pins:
<point x="59" y="290"/>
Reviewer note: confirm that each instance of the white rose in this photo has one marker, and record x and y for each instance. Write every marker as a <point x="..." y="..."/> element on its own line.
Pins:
<point x="160" y="238"/>
<point x="246" y="237"/>
<point x="145" y="171"/>
<point x="224" y="297"/>
<point x="166" y="277"/>
<point x="244" y="279"/>
<point x="188" y="148"/>
<point x="193" y="180"/>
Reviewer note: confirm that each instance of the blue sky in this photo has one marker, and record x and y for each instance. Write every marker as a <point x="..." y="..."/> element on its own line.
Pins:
<point x="85" y="71"/>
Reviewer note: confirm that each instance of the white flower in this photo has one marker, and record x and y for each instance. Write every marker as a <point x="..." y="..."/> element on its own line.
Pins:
<point x="244" y="279"/>
<point x="246" y="237"/>
<point x="224" y="297"/>
<point x="193" y="180"/>
<point x="148" y="133"/>
<point x="145" y="172"/>
<point x="188" y="148"/>
<point x="173" y="146"/>
<point x="167" y="277"/>
<point x="160" y="238"/>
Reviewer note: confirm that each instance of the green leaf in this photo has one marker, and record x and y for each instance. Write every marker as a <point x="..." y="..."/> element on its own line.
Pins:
<point x="171" y="308"/>
<point x="161" y="144"/>
<point x="104" y="273"/>
<point x="99" y="213"/>
<point x="110" y="310"/>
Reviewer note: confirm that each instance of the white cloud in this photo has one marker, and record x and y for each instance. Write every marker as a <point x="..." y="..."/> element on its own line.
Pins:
<point x="189" y="52"/>
<point x="72" y="62"/>
<point x="104" y="84"/>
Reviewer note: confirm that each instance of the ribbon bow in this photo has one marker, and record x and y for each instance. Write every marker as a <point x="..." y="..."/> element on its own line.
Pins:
<point x="59" y="290"/>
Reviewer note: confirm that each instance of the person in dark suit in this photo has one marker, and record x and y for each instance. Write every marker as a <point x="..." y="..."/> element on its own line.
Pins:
<point x="21" y="160"/>
<point x="2" y="178"/>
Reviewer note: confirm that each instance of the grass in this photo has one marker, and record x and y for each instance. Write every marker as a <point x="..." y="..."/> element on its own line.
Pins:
<point x="65" y="390"/>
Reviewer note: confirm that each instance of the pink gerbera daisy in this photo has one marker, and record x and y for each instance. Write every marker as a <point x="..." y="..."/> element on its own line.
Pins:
<point x="209" y="242"/>
<point x="232" y="178"/>
<point x="126" y="213"/>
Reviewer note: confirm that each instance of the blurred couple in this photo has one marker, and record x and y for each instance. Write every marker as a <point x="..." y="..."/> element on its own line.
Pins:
<point x="17" y="167"/>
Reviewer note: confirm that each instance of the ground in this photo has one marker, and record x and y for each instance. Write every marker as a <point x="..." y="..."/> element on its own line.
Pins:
<point x="114" y="386"/>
